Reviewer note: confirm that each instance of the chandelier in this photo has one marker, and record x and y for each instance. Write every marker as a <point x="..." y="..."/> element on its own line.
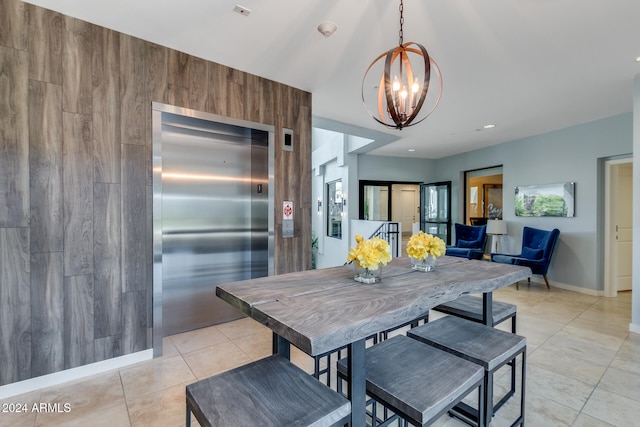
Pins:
<point x="399" y="100"/>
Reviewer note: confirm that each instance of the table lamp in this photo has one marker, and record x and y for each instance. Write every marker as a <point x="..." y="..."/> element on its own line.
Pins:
<point x="495" y="229"/>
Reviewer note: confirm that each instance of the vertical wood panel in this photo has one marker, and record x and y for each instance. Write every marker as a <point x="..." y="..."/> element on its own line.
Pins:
<point x="134" y="320"/>
<point x="198" y="83"/>
<point x="47" y="313"/>
<point x="156" y="66"/>
<point x="134" y="217"/>
<point x="133" y="104"/>
<point x="178" y="77"/>
<point x="254" y="97"/>
<point x="217" y="89"/>
<point x="15" y="322"/>
<point x="108" y="347"/>
<point x="14" y="21"/>
<point x="77" y="181"/>
<point x="14" y="138"/>
<point x="78" y="321"/>
<point x="236" y="95"/>
<point x="45" y="45"/>
<point x="304" y="171"/>
<point x="107" y="280"/>
<point x="76" y="67"/>
<point x="106" y="104"/>
<point x="45" y="163"/>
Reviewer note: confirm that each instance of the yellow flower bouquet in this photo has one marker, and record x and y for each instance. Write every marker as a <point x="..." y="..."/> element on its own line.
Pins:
<point x="368" y="255"/>
<point x="423" y="249"/>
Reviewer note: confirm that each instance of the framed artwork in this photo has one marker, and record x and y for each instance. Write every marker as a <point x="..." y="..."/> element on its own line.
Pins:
<point x="545" y="200"/>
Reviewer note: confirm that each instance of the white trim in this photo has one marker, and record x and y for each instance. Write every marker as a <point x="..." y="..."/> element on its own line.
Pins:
<point x="592" y="292"/>
<point x="634" y="328"/>
<point x="57" y="378"/>
<point x="609" y="236"/>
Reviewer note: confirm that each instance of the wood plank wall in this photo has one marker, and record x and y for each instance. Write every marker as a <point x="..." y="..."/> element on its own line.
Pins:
<point x="76" y="181"/>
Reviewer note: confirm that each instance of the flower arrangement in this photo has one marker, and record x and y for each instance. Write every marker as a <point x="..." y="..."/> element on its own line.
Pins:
<point x="370" y="253"/>
<point x="422" y="245"/>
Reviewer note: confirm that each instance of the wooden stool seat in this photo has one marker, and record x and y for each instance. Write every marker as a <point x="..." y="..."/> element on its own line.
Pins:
<point x="268" y="392"/>
<point x="417" y="382"/>
<point x="470" y="307"/>
<point x="488" y="347"/>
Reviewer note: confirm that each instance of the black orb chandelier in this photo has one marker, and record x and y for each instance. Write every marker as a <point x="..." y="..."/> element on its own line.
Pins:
<point x="399" y="100"/>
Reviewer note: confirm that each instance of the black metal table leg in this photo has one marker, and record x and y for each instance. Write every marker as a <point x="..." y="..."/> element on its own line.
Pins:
<point x="281" y="346"/>
<point x="357" y="384"/>
<point x="487" y="308"/>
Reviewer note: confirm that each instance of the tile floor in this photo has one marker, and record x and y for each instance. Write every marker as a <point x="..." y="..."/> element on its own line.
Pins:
<point x="583" y="369"/>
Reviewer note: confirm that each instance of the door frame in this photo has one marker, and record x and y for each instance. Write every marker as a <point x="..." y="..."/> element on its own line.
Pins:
<point x="157" y="109"/>
<point x="610" y="288"/>
<point x="388" y="184"/>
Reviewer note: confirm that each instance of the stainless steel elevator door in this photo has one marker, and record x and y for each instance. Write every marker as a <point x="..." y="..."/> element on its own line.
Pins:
<point x="214" y="217"/>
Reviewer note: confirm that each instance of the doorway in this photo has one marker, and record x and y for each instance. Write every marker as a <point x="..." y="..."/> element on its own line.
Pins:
<point x="483" y="195"/>
<point x="406" y="205"/>
<point x="618" y="226"/>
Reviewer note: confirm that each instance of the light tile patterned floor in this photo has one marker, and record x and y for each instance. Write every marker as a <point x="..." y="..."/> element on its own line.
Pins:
<point x="583" y="369"/>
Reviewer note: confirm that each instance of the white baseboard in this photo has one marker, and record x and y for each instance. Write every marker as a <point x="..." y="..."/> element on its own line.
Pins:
<point x="579" y="289"/>
<point x="634" y="328"/>
<point x="57" y="378"/>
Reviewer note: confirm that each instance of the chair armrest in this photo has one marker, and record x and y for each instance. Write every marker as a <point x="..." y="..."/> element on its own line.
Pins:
<point x="501" y="254"/>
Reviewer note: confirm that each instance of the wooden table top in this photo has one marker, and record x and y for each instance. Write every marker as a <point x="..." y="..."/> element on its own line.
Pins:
<point x="321" y="310"/>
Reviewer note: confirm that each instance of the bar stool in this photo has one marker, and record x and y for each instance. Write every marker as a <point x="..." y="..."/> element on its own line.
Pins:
<point x="488" y="347"/>
<point x="417" y="382"/>
<point x="319" y="369"/>
<point x="470" y="307"/>
<point x="414" y="323"/>
<point x="268" y="392"/>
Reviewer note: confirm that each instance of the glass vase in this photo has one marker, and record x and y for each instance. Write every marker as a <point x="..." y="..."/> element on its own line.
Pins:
<point x="425" y="264"/>
<point x="366" y="275"/>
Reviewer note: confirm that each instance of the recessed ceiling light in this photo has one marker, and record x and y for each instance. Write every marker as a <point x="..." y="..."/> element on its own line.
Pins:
<point x="638" y="59"/>
<point x="489" y="126"/>
<point x="411" y="149"/>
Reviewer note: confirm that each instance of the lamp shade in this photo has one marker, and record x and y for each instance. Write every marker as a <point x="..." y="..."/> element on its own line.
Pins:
<point x="496" y="226"/>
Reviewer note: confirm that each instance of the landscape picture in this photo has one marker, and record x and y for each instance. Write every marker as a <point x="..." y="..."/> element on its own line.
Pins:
<point x="545" y="200"/>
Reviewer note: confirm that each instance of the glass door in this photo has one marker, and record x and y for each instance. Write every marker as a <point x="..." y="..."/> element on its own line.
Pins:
<point x="435" y="208"/>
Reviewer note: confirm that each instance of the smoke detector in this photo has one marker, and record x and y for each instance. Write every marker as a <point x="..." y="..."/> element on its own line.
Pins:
<point x="327" y="28"/>
<point x="242" y="10"/>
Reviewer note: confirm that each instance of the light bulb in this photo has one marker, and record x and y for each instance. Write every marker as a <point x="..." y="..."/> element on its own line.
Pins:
<point x="416" y="86"/>
<point x="396" y="84"/>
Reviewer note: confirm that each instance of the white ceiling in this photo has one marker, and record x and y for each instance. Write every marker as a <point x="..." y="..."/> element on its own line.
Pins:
<point x="528" y="66"/>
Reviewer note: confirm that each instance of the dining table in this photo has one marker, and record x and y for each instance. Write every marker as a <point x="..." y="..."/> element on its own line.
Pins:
<point x="322" y="310"/>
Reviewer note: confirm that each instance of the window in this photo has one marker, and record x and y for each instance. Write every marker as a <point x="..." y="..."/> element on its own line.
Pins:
<point x="334" y="209"/>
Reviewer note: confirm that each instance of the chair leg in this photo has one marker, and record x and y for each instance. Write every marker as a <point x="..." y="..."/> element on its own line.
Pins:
<point x="544" y="276"/>
<point x="517" y="286"/>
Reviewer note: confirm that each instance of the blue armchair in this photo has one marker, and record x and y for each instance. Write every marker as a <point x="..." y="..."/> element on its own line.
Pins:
<point x="537" y="248"/>
<point x="470" y="241"/>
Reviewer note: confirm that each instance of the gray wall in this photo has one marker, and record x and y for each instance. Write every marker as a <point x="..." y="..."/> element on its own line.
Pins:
<point x="381" y="168"/>
<point x="574" y="154"/>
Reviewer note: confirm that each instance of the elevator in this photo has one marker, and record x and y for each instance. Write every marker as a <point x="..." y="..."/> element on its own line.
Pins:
<point x="213" y="209"/>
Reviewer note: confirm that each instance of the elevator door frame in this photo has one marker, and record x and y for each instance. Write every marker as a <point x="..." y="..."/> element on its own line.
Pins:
<point x="156" y="110"/>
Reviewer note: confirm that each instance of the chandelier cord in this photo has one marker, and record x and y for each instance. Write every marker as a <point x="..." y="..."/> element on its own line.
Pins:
<point x="401" y="34"/>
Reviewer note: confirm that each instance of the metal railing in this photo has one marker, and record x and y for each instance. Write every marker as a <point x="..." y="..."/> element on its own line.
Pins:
<point x="389" y="231"/>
